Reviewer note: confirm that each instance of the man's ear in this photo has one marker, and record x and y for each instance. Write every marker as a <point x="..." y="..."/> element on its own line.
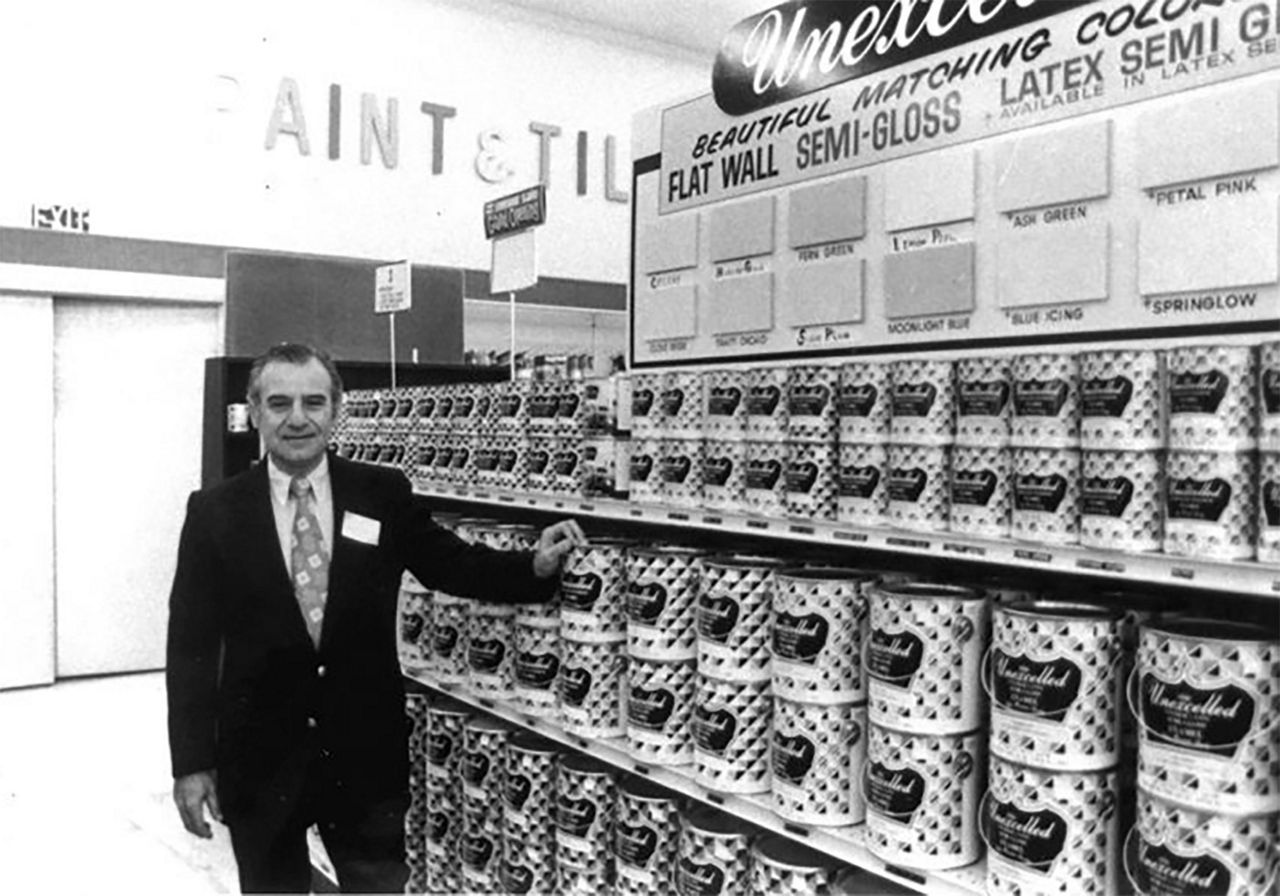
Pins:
<point x="255" y="414"/>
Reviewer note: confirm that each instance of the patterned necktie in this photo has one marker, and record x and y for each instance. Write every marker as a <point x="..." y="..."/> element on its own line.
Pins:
<point x="308" y="558"/>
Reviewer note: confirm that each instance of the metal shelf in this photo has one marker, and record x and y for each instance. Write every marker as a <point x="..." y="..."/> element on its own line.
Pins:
<point x="847" y="844"/>
<point x="1241" y="577"/>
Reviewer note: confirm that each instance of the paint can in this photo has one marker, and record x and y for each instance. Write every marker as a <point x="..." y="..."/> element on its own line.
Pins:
<point x="679" y="468"/>
<point x="1055" y="685"/>
<point x="1207" y="697"/>
<point x="1269" y="396"/>
<point x="593" y="600"/>
<point x="571" y="410"/>
<point x="764" y="492"/>
<point x="724" y="475"/>
<point x="449" y="617"/>
<point x="644" y="472"/>
<point x="1046" y="401"/>
<point x="443" y="842"/>
<point x="981" y="491"/>
<point x="568" y="472"/>
<point x="1212" y="398"/>
<point x="511" y="408"/>
<point x="1177" y="849"/>
<point x="780" y="865"/>
<point x="646" y="418"/>
<point x="923" y="404"/>
<point x="724" y="417"/>
<point x="585" y="796"/>
<point x="922" y="796"/>
<point x="863" y="402"/>
<point x="1051" y="831"/>
<point x="536" y="667"/>
<point x="415" y="636"/>
<point x="811" y="405"/>
<point x="815" y="753"/>
<point x="809" y="480"/>
<point x="862" y="492"/>
<point x="984" y="409"/>
<point x="1121" y="496"/>
<point x="924" y="657"/>
<point x="539" y="472"/>
<point x="490" y="658"/>
<point x="1269" y="507"/>
<point x="1209" y="507"/>
<point x="481" y="849"/>
<point x="817" y="634"/>
<point x="734" y="612"/>
<point x="528" y="814"/>
<point x="918" y="486"/>
<point x="484" y="740"/>
<point x="730" y="724"/>
<point x="1121" y="407"/>
<point x="766" y="404"/>
<point x="446" y="721"/>
<point x="646" y="833"/>
<point x="544" y="405"/>
<point x="714" y="855"/>
<point x="659" y="704"/>
<point x="661" y="600"/>
<point x="680" y="405"/>
<point x="591" y="687"/>
<point x="1046" y="495"/>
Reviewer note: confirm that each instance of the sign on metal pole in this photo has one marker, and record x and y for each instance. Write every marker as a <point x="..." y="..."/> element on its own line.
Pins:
<point x="508" y="225"/>
<point x="392" y="292"/>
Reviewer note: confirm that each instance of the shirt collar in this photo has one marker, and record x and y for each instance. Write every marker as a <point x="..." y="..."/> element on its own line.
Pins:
<point x="280" y="480"/>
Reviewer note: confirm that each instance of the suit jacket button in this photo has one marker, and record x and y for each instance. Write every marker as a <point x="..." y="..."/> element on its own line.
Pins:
<point x="320" y="670"/>
<point x="311" y="722"/>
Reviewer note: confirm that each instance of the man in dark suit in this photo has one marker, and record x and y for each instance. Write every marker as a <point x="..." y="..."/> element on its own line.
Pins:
<point x="286" y="702"/>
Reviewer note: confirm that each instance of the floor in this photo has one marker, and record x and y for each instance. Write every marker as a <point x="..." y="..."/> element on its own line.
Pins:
<point x="85" y="803"/>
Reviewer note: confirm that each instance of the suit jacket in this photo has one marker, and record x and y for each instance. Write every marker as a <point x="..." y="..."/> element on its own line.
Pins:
<point x="250" y="695"/>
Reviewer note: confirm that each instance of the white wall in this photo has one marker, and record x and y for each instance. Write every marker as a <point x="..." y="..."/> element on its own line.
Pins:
<point x="154" y="116"/>
<point x="26" y="482"/>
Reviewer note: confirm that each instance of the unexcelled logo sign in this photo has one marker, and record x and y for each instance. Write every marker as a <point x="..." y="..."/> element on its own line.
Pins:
<point x="797" y="48"/>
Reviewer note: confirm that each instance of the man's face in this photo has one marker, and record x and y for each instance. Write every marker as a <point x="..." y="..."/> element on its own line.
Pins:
<point x="295" y="414"/>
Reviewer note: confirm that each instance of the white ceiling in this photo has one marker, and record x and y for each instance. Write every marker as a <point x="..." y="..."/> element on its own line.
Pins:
<point x="697" y="26"/>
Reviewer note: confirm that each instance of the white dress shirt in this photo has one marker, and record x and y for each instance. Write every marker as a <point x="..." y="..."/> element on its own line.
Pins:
<point x="284" y="506"/>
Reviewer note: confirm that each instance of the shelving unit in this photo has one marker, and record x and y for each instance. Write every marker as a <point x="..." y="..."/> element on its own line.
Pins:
<point x="847" y="844"/>
<point x="1244" y="577"/>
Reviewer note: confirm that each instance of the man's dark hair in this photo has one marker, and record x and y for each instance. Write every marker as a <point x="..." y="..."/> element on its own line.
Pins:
<point x="293" y="353"/>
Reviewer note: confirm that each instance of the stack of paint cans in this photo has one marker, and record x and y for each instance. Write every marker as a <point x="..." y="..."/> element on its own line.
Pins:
<point x="1122" y="434"/>
<point x="862" y="423"/>
<point x="779" y="865"/>
<point x="661" y="600"/>
<point x="1050" y="818"/>
<point x="724" y="431"/>
<point x="1211" y="471"/>
<point x="586" y="795"/>
<point x="811" y="459"/>
<point x="766" y="447"/>
<point x="484" y="742"/>
<point x="644" y="472"/>
<point x="591" y="687"/>
<point x="415" y="819"/>
<point x="646" y="830"/>
<point x="714" y="855"/>
<point x="732" y="705"/>
<point x="528" y="815"/>
<point x="921" y="433"/>
<point x="445" y="742"/>
<point x="981" y="462"/>
<point x="1046" y="448"/>
<point x="820" y="713"/>
<point x="414" y="633"/>
<point x="926" y="749"/>
<point x="1269" y="452"/>
<point x="1208" y="703"/>
<point x="680" y="405"/>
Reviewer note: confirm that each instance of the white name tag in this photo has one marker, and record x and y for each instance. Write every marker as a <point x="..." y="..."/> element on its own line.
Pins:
<point x="360" y="528"/>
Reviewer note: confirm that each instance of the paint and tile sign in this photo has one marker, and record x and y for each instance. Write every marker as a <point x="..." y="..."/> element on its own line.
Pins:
<point x="810" y="89"/>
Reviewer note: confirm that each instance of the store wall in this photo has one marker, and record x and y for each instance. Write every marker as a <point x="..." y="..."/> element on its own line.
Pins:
<point x="188" y="123"/>
<point x="26" y="482"/>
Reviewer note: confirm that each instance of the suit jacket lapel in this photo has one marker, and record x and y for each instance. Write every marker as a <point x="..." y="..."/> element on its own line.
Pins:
<point x="340" y="485"/>
<point x="263" y="545"/>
